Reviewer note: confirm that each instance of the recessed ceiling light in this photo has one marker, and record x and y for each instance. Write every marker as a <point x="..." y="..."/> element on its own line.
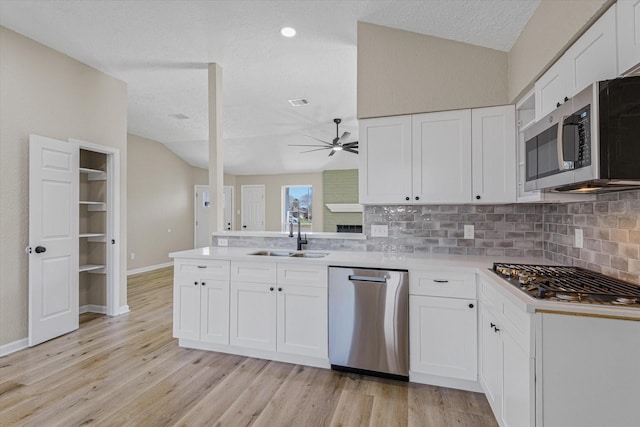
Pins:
<point x="288" y="31"/>
<point x="298" y="102"/>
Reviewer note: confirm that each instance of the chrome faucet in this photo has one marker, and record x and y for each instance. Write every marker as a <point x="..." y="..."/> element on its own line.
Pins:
<point x="300" y="240"/>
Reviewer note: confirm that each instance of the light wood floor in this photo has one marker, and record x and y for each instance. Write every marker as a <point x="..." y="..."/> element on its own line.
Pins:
<point x="128" y="370"/>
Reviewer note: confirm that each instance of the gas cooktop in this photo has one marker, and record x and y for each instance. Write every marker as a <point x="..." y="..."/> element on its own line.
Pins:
<point x="569" y="284"/>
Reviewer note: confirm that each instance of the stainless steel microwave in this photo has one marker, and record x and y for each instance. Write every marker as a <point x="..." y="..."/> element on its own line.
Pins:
<point x="591" y="143"/>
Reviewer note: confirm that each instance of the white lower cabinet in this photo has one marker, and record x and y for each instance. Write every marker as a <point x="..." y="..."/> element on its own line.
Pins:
<point x="201" y="301"/>
<point x="443" y="328"/>
<point x="507" y="369"/>
<point x="253" y="315"/>
<point x="302" y="320"/>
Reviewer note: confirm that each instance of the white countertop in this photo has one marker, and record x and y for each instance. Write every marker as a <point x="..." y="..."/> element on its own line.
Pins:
<point x="404" y="261"/>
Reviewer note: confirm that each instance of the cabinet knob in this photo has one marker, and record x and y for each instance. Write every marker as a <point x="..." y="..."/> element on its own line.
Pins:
<point x="202" y="283"/>
<point x="478" y="197"/>
<point x="407" y="198"/>
<point x="279" y="289"/>
<point x="471" y="305"/>
<point x="195" y="283"/>
<point x="271" y="288"/>
<point x="417" y="198"/>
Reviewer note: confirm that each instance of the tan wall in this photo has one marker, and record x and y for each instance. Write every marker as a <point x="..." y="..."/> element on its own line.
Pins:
<point x="273" y="195"/>
<point x="400" y="72"/>
<point x="554" y="26"/>
<point x="47" y="93"/>
<point x="160" y="198"/>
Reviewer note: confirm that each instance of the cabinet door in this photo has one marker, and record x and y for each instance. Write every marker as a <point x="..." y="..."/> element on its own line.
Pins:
<point x="385" y="160"/>
<point x="551" y="88"/>
<point x="490" y="360"/>
<point x="517" y="389"/>
<point x="186" y="311"/>
<point x="593" y="56"/>
<point x="253" y="315"/>
<point x="493" y="138"/>
<point x="302" y="320"/>
<point x="628" y="12"/>
<point x="442" y="157"/>
<point x="443" y="337"/>
<point x="214" y="311"/>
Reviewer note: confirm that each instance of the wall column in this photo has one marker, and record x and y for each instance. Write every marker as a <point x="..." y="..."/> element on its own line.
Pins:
<point x="216" y="169"/>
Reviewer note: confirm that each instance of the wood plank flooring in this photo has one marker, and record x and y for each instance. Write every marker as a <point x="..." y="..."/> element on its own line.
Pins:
<point x="128" y="370"/>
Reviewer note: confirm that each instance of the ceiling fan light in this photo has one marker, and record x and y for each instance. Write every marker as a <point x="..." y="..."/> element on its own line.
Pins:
<point x="337" y="148"/>
<point x="288" y="31"/>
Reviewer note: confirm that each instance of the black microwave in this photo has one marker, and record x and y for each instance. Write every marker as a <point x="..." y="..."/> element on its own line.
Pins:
<point x="591" y="143"/>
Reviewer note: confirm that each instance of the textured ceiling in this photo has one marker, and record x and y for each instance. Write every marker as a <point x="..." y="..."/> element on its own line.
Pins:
<point x="162" y="48"/>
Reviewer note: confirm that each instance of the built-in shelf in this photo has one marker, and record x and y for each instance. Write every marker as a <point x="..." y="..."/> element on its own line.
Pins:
<point x="91" y="235"/>
<point x="91" y="268"/>
<point x="344" y="207"/>
<point x="94" y="174"/>
<point x="94" y="206"/>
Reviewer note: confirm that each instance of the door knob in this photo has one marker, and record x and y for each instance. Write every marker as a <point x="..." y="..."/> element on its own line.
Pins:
<point x="40" y="249"/>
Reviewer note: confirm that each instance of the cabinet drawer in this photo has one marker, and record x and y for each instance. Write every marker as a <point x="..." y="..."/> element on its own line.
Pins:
<point x="255" y="272"/>
<point x="442" y="284"/>
<point x="210" y="269"/>
<point x="303" y="275"/>
<point x="488" y="294"/>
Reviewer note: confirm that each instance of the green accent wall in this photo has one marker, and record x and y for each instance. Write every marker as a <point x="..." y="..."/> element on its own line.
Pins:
<point x="340" y="186"/>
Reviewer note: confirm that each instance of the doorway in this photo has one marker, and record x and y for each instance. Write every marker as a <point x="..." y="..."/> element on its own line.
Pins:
<point x="252" y="208"/>
<point x="202" y="203"/>
<point x="228" y="208"/>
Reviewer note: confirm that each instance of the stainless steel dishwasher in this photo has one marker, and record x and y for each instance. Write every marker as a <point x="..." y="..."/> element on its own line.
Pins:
<point x="369" y="321"/>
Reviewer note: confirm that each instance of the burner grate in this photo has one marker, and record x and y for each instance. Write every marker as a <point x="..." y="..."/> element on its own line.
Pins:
<point x="570" y="280"/>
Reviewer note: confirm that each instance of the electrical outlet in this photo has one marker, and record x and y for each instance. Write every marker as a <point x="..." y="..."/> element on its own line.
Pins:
<point x="133" y="255"/>
<point x="469" y="231"/>
<point x="379" y="230"/>
<point x="579" y="238"/>
<point x="223" y="242"/>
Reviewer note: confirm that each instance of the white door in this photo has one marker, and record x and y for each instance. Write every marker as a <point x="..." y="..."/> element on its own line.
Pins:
<point x="442" y="157"/>
<point x="228" y="207"/>
<point x="252" y="207"/>
<point x="385" y="160"/>
<point x="202" y="200"/>
<point x="53" y="238"/>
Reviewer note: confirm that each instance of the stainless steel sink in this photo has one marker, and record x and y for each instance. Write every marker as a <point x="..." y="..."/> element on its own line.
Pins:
<point x="291" y="254"/>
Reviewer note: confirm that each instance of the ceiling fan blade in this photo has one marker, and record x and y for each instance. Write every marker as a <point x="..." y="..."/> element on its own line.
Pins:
<point x="350" y="145"/>
<point x="317" y="149"/>
<point x="345" y="135"/>
<point x="319" y="140"/>
<point x="350" y="150"/>
<point x="332" y="153"/>
<point x="308" y="145"/>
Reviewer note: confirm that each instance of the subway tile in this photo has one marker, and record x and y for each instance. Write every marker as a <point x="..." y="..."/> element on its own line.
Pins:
<point x="620" y="263"/>
<point x="494" y="252"/>
<point x="634" y="236"/>
<point x="476" y="251"/>
<point x="617" y="207"/>
<point x="610" y="248"/>
<point x="629" y="195"/>
<point x="601" y="207"/>
<point x="629" y="250"/>
<point x="628" y="222"/>
<point x="503" y="209"/>
<point x="618" y="235"/>
<point x="494" y="217"/>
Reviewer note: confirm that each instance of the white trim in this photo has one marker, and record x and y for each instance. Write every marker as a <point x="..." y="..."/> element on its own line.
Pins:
<point x="12" y="347"/>
<point x="122" y="310"/>
<point x="149" y="268"/>
<point x="344" y="207"/>
<point x="92" y="308"/>
<point x="233" y="206"/>
<point x="468" y="385"/>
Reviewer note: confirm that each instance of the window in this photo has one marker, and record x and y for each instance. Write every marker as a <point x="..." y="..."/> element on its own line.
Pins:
<point x="297" y="206"/>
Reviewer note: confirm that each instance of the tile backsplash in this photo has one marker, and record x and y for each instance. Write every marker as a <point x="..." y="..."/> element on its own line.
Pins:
<point x="611" y="227"/>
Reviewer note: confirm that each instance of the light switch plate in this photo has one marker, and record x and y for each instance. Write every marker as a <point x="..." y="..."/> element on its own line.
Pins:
<point x="223" y="242"/>
<point x="469" y="231"/>
<point x="579" y="238"/>
<point x="379" y="230"/>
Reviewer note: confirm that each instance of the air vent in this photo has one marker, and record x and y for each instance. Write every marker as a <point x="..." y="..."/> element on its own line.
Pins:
<point x="178" y="116"/>
<point x="298" y="102"/>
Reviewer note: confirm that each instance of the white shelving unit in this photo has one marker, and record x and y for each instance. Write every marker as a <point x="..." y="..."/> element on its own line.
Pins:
<point x="94" y="174"/>
<point x="91" y="268"/>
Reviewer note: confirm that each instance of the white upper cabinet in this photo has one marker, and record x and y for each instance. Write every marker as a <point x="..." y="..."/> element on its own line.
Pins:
<point x="385" y="160"/>
<point x="429" y="158"/>
<point x="591" y="58"/>
<point x="628" y="12"/>
<point x="442" y="157"/>
<point x="493" y="133"/>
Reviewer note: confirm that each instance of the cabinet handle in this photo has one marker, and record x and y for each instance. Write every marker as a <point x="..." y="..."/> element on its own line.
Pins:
<point x="417" y="198"/>
<point x="496" y="329"/>
<point x="557" y="105"/>
<point x="566" y="99"/>
<point x="440" y="281"/>
<point x="407" y="198"/>
<point x="493" y="325"/>
<point x="279" y="289"/>
<point x="470" y="305"/>
<point x="271" y="289"/>
<point x="202" y="266"/>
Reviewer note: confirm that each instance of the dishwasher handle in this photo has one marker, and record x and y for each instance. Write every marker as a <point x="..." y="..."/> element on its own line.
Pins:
<point x="354" y="278"/>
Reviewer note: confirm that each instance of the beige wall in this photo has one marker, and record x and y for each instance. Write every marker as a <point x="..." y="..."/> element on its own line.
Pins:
<point x="400" y="72"/>
<point x="47" y="93"/>
<point x="273" y="195"/>
<point x="160" y="198"/>
<point x="554" y="26"/>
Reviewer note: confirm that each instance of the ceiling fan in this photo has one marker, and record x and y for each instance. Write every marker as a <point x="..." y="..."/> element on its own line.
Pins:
<point x="338" y="144"/>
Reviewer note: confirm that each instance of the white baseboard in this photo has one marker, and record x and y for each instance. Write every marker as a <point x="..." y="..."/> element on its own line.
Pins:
<point x="91" y="308"/>
<point x="12" y="347"/>
<point x="149" y="268"/>
<point x="122" y="310"/>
